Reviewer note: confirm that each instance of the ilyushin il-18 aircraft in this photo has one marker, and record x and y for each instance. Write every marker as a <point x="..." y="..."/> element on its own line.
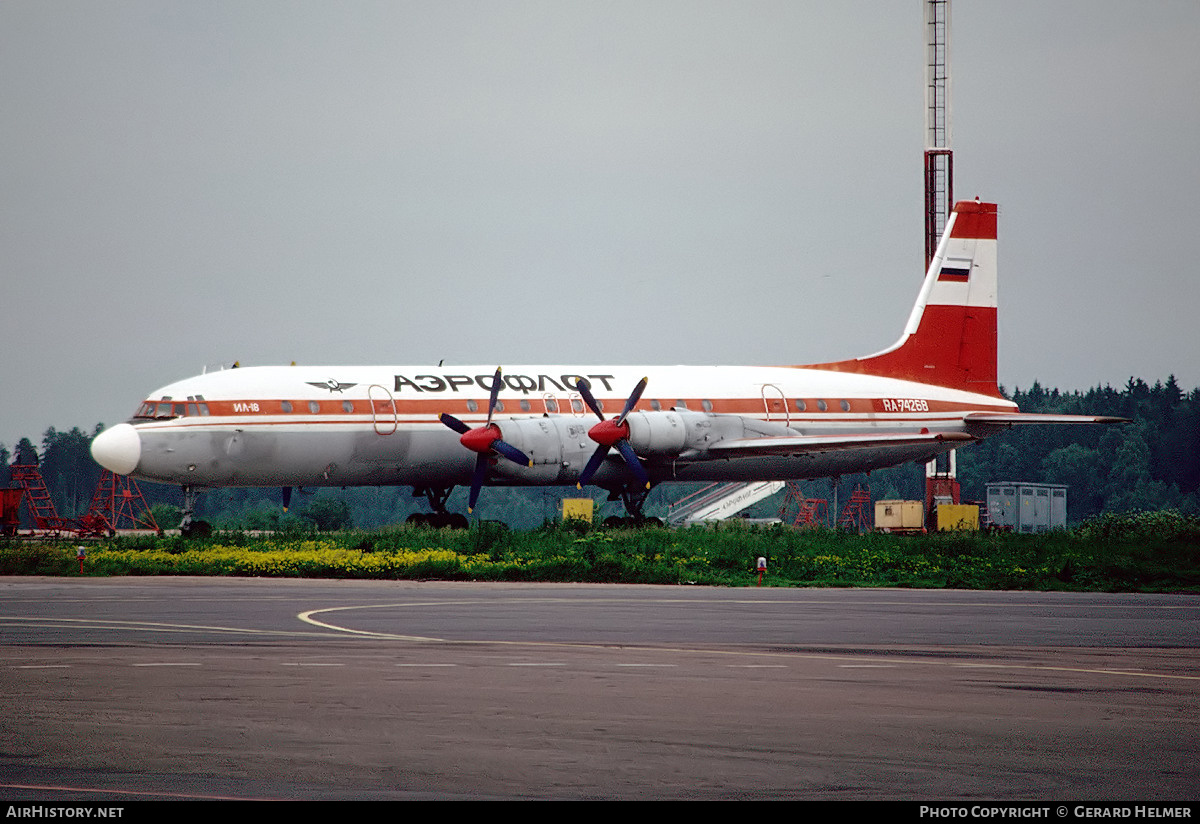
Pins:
<point x="622" y="428"/>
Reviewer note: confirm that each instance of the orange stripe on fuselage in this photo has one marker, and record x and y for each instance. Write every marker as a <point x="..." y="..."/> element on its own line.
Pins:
<point x="249" y="409"/>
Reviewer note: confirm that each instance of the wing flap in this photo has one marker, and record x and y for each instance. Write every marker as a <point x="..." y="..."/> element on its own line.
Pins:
<point x="804" y="444"/>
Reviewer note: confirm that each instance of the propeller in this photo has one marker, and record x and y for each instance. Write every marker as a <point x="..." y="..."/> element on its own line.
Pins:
<point x="484" y="440"/>
<point x="610" y="433"/>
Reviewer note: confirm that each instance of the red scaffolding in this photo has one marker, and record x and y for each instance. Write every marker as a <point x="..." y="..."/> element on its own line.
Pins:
<point x="117" y="503"/>
<point x="857" y="514"/>
<point x="799" y="510"/>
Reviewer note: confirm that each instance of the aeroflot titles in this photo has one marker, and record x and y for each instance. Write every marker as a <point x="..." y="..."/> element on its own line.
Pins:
<point x="517" y="383"/>
<point x="564" y="383"/>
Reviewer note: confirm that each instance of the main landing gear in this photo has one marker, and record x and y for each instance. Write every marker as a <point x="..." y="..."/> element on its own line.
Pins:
<point x="633" y="498"/>
<point x="439" y="518"/>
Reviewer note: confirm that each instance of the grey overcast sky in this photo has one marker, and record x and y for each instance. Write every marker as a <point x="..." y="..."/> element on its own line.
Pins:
<point x="189" y="183"/>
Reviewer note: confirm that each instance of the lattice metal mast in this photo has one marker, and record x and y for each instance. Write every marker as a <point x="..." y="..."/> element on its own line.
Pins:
<point x="939" y="159"/>
<point x="940" y="473"/>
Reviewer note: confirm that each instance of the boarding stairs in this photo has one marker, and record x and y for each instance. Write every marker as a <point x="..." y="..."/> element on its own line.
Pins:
<point x="719" y="501"/>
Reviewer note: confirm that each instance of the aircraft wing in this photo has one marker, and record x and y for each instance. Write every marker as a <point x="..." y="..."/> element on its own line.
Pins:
<point x="1011" y="418"/>
<point x="803" y="444"/>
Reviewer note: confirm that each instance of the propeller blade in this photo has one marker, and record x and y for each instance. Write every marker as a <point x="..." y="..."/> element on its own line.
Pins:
<point x="585" y="391"/>
<point x="496" y="383"/>
<point x="454" y="423"/>
<point x="511" y="452"/>
<point x="592" y="465"/>
<point x="633" y="399"/>
<point x="631" y="460"/>
<point x="481" y="465"/>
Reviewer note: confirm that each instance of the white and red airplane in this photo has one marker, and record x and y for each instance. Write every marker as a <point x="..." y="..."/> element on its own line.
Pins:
<point x="435" y="428"/>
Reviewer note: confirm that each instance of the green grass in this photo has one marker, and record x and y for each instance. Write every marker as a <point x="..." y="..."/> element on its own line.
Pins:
<point x="1151" y="552"/>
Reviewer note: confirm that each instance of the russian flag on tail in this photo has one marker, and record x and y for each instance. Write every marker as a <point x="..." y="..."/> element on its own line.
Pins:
<point x="955" y="271"/>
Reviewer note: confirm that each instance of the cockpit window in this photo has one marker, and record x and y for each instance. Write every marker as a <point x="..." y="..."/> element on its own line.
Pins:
<point x="166" y="408"/>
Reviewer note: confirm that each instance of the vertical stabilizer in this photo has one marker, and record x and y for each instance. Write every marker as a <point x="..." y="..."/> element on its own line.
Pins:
<point x="950" y="338"/>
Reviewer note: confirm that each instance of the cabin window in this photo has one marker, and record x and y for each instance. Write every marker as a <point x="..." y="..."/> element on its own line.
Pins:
<point x="525" y="405"/>
<point x="286" y="406"/>
<point x="800" y="405"/>
<point x="821" y="405"/>
<point x="314" y="407"/>
<point x="347" y="407"/>
<point x="577" y="404"/>
<point x="472" y="406"/>
<point x="551" y="405"/>
<point x="656" y="406"/>
<point x="845" y="406"/>
<point x="681" y="404"/>
<point x="706" y="405"/>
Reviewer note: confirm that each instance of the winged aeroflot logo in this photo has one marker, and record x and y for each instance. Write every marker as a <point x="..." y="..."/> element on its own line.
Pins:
<point x="331" y="384"/>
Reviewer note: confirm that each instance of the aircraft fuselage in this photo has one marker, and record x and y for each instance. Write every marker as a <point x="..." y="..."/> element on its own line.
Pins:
<point x="352" y="426"/>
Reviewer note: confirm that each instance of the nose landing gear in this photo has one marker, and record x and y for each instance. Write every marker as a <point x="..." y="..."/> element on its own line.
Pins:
<point x="188" y="527"/>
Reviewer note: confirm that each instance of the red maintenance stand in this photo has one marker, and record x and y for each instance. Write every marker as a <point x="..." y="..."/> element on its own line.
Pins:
<point x="118" y="503"/>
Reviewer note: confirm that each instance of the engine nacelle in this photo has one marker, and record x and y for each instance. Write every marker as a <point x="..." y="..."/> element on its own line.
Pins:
<point x="657" y="433"/>
<point x="558" y="445"/>
<point x="662" y="434"/>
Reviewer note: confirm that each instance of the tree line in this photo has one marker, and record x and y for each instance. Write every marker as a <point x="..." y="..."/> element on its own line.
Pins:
<point x="1151" y="463"/>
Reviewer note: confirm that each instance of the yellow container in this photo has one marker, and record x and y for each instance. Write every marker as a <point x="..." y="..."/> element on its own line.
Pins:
<point x="953" y="517"/>
<point x="578" y="509"/>
<point x="899" y="515"/>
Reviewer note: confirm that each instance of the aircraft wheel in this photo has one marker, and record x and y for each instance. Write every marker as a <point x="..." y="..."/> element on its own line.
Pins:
<point x="457" y="521"/>
<point x="197" y="529"/>
<point x="417" y="519"/>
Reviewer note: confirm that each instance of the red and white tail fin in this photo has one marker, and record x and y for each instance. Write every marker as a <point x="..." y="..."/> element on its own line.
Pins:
<point x="950" y="339"/>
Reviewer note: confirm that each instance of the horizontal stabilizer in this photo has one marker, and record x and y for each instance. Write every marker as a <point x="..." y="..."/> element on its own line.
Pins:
<point x="1019" y="418"/>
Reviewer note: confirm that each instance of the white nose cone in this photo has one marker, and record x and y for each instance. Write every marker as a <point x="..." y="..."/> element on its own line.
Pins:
<point x="118" y="448"/>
